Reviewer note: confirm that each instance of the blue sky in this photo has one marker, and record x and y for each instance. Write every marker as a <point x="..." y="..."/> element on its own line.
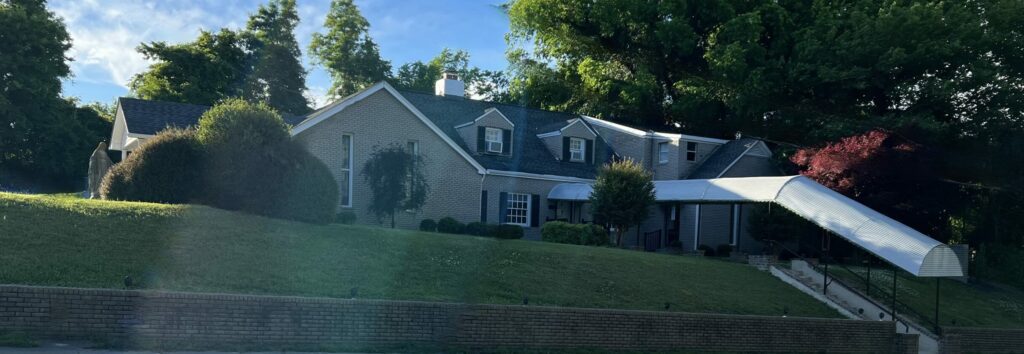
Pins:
<point x="106" y="32"/>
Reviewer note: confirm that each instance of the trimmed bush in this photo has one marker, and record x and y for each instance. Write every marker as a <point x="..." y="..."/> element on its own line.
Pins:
<point x="477" y="228"/>
<point x="346" y="217"/>
<point x="236" y="127"/>
<point x="428" y="225"/>
<point x="449" y="225"/>
<point x="508" y="232"/>
<point x="574" y="234"/>
<point x="708" y="251"/>
<point x="307" y="191"/>
<point x="165" y="169"/>
<point x="723" y="250"/>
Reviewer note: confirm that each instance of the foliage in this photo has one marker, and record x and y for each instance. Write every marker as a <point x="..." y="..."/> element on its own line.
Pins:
<point x="346" y="217"/>
<point x="507" y="232"/>
<point x="212" y="68"/>
<point x="887" y="173"/>
<point x="477" y="228"/>
<point x="396" y="179"/>
<point x="622" y="195"/>
<point x="306" y="190"/>
<point x="41" y="134"/>
<point x="428" y="225"/>
<point x="708" y="251"/>
<point x="999" y="264"/>
<point x="347" y="51"/>
<point x="482" y="84"/>
<point x="253" y="166"/>
<point x="574" y="234"/>
<point x="277" y="77"/>
<point x="165" y="169"/>
<point x="723" y="250"/>
<point x="449" y="225"/>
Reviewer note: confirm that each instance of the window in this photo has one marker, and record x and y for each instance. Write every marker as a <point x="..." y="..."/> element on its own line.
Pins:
<point x="345" y="180"/>
<point x="672" y="214"/>
<point x="663" y="153"/>
<point x="691" y="151"/>
<point x="735" y="234"/>
<point x="576" y="151"/>
<point x="413" y="147"/>
<point x="492" y="139"/>
<point x="517" y="209"/>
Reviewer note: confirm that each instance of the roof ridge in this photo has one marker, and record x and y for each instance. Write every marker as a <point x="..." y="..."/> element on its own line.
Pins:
<point x="452" y="97"/>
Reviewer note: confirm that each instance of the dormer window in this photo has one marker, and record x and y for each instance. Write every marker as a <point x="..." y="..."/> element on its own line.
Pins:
<point x="492" y="140"/>
<point x="577" y="152"/>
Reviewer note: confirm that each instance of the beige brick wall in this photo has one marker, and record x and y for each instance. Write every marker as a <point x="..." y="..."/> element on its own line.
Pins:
<point x="494" y="185"/>
<point x="380" y="120"/>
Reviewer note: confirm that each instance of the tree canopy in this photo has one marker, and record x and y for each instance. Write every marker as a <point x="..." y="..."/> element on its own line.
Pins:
<point x="278" y="77"/>
<point x="622" y="197"/>
<point x="347" y="51"/>
<point x="483" y="84"/>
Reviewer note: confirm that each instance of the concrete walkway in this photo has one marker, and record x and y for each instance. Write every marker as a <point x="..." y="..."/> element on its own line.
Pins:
<point x="81" y="348"/>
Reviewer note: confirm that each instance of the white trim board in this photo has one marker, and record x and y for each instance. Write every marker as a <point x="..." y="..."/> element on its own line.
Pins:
<point x="641" y="133"/>
<point x="336" y="108"/>
<point x="543" y="177"/>
<point x="486" y="112"/>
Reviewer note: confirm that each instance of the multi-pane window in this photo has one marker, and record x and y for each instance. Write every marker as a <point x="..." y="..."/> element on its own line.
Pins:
<point x="517" y="209"/>
<point x="662" y="153"/>
<point x="345" y="180"/>
<point x="691" y="151"/>
<point x="492" y="139"/>
<point x="576" y="151"/>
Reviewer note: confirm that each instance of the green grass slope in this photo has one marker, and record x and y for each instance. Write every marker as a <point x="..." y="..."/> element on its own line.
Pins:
<point x="65" y="241"/>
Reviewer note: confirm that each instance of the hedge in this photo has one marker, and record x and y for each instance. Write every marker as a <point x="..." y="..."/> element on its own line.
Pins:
<point x="575" y="234"/>
<point x="449" y="225"/>
<point x="428" y="225"/>
<point x="507" y="232"/>
<point x="165" y="169"/>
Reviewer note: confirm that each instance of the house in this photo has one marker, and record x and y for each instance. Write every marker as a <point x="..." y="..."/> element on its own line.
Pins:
<point x="497" y="163"/>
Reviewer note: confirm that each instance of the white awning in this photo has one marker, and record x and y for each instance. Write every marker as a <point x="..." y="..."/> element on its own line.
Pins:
<point x="884" y="237"/>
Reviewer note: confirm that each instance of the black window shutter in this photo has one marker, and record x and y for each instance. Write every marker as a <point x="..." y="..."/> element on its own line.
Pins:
<point x="483" y="206"/>
<point x="565" y="148"/>
<point x="502" y="204"/>
<point x="589" y="151"/>
<point x="480" y="139"/>
<point x="534" y="210"/>
<point x="506" y="141"/>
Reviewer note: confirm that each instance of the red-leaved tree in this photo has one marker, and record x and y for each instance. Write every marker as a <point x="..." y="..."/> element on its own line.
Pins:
<point x="888" y="173"/>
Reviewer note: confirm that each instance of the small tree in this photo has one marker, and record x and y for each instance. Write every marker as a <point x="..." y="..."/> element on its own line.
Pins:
<point x="396" y="178"/>
<point x="622" y="194"/>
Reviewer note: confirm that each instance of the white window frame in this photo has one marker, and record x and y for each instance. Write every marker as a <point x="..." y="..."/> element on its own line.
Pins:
<point x="662" y="153"/>
<point x="688" y="150"/>
<point x="348" y="169"/>
<point x="489" y="144"/>
<point x="735" y="234"/>
<point x="581" y="150"/>
<point x="510" y="204"/>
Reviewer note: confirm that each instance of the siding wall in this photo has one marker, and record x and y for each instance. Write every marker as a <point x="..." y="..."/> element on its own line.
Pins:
<point x="379" y="120"/>
<point x="492" y="119"/>
<point x="494" y="185"/>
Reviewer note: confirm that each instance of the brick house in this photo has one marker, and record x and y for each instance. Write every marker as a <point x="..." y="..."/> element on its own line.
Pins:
<point x="497" y="163"/>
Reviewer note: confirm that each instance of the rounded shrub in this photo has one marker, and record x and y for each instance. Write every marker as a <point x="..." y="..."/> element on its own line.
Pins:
<point x="477" y="228"/>
<point x="165" y="169"/>
<point x="575" y="234"/>
<point x="346" y="217"/>
<point x="508" y="232"/>
<point x="428" y="225"/>
<point x="723" y="250"/>
<point x="236" y="126"/>
<point x="307" y="190"/>
<point x="596" y="235"/>
<point x="449" y="225"/>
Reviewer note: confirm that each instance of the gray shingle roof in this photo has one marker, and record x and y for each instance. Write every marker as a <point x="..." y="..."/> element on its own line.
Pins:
<point x="529" y="154"/>
<point x="719" y="160"/>
<point x="150" y="117"/>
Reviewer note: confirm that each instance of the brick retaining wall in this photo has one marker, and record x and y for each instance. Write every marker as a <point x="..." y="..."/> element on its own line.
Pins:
<point x="981" y="340"/>
<point x="171" y="319"/>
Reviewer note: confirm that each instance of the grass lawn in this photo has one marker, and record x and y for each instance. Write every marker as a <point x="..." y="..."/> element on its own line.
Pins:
<point x="64" y="241"/>
<point x="971" y="305"/>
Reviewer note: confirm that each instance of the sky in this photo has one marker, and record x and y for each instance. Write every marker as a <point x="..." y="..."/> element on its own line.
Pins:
<point x="105" y="34"/>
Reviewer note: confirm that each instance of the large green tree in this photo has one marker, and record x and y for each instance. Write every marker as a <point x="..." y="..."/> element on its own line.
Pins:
<point x="277" y="76"/>
<point x="482" y="84"/>
<point x="212" y="68"/>
<point x="347" y="51"/>
<point x="622" y="197"/>
<point x="42" y="136"/>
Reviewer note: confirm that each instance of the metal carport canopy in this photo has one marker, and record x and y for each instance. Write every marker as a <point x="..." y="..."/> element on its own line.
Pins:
<point x="884" y="237"/>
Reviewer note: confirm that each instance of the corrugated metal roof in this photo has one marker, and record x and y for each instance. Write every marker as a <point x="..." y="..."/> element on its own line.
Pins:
<point x="870" y="230"/>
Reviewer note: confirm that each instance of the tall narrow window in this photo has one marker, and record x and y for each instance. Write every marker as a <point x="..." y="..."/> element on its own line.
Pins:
<point x="662" y="153"/>
<point x="691" y="151"/>
<point x="413" y="147"/>
<point x="345" y="180"/>
<point x="735" y="235"/>
<point x="576" y="151"/>
<point x="517" y="209"/>
<point x="492" y="137"/>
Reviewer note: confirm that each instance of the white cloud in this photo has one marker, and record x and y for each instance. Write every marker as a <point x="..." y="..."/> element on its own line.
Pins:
<point x="104" y="36"/>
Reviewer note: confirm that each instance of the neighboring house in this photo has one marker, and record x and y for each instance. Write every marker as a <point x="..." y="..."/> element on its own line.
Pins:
<point x="493" y="162"/>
